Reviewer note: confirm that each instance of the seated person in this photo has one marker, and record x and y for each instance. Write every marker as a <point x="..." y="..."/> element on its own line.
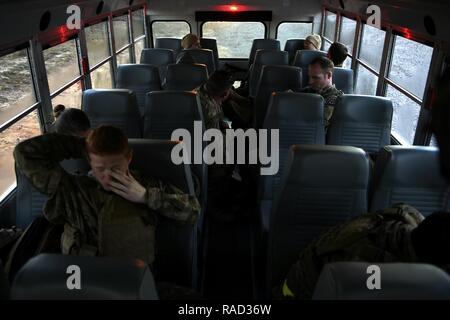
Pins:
<point x="337" y="53"/>
<point x="189" y="41"/>
<point x="218" y="99"/>
<point x="71" y="121"/>
<point x="321" y="82"/>
<point x="110" y="212"/>
<point x="313" y="42"/>
<point x="397" y="234"/>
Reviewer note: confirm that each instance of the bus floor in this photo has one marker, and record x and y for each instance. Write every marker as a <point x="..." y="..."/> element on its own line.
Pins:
<point x="227" y="266"/>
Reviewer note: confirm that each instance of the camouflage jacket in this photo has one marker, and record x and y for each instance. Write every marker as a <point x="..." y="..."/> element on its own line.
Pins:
<point x="380" y="237"/>
<point x="98" y="222"/>
<point x="212" y="111"/>
<point x="331" y="96"/>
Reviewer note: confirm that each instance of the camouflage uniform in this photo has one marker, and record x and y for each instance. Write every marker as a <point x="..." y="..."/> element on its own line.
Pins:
<point x="98" y="222"/>
<point x="212" y="110"/>
<point x="331" y="96"/>
<point x="380" y="237"/>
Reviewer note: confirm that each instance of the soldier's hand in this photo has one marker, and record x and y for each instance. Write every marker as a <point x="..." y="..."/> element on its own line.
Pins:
<point x="127" y="187"/>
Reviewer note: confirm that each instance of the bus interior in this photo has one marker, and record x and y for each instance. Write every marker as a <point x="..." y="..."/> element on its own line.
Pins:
<point x="397" y="51"/>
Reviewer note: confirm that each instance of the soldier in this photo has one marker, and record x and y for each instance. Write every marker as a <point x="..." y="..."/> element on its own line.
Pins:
<point x="337" y="53"/>
<point x="71" y="121"/>
<point x="397" y="234"/>
<point x="110" y="212"/>
<point x="321" y="82"/>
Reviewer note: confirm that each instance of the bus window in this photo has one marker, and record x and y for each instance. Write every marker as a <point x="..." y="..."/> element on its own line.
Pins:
<point x="101" y="77"/>
<point x="123" y="57"/>
<point x="71" y="97"/>
<point x="347" y="37"/>
<point x="406" y="114"/>
<point x="411" y="62"/>
<point x="368" y="66"/>
<point x="17" y="96"/>
<point x="121" y="32"/>
<point x="409" y="69"/>
<point x="97" y="43"/>
<point x="330" y="28"/>
<point x="366" y="81"/>
<point x="433" y="141"/>
<point x="138" y="21"/>
<point x="372" y="43"/>
<point x="61" y="64"/>
<point x="170" y="29"/>
<point x="293" y="30"/>
<point x="228" y="44"/>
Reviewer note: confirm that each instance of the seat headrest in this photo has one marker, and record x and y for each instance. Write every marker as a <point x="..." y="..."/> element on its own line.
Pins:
<point x="295" y="106"/>
<point x="136" y="74"/>
<point x="398" y="165"/>
<point x="362" y="108"/>
<point x="284" y="74"/>
<point x="152" y="157"/>
<point x="304" y="57"/>
<point x="312" y="161"/>
<point x="161" y="102"/>
<point x="168" y="43"/>
<point x="349" y="281"/>
<point x="157" y="56"/>
<point x="264" y="56"/>
<point x="51" y="277"/>
<point x="117" y="101"/>
<point x="343" y="79"/>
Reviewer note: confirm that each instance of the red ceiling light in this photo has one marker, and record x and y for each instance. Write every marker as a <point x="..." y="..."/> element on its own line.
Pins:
<point x="233" y="8"/>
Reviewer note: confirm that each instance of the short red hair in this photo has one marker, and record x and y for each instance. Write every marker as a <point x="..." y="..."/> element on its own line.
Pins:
<point x="107" y="140"/>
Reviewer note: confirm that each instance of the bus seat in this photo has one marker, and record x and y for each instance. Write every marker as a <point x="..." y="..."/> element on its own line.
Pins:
<point x="410" y="175"/>
<point x="158" y="57"/>
<point x="140" y="78"/>
<point x="274" y="79"/>
<point x="169" y="43"/>
<point x="299" y="118"/>
<point x="399" y="281"/>
<point x="117" y="107"/>
<point x="185" y="76"/>
<point x="268" y="44"/>
<point x="302" y="60"/>
<point x="343" y="79"/>
<point x="262" y="58"/>
<point x="321" y="187"/>
<point x="167" y="111"/>
<point x="176" y="243"/>
<point x="47" y="277"/>
<point x="361" y="121"/>
<point x="211" y="44"/>
<point x="292" y="46"/>
<point x="204" y="56"/>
